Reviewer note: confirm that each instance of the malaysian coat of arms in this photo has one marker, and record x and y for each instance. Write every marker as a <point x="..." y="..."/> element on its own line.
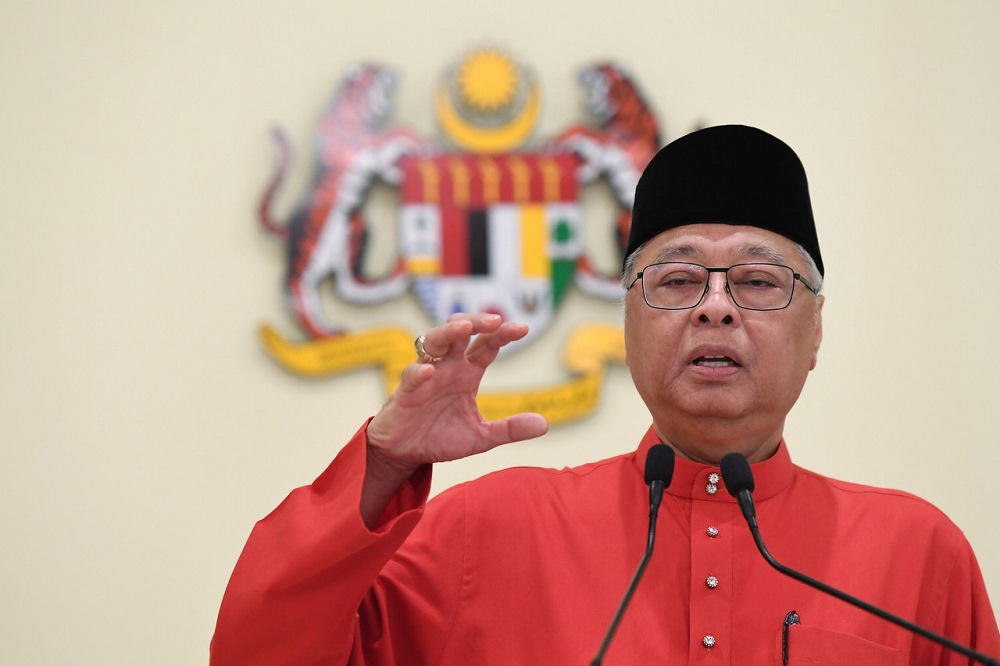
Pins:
<point x="485" y="222"/>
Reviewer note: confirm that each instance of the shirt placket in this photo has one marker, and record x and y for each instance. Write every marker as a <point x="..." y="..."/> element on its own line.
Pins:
<point x="711" y="572"/>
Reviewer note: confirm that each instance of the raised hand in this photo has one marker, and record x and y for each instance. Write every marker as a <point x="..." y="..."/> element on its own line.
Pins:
<point x="433" y="416"/>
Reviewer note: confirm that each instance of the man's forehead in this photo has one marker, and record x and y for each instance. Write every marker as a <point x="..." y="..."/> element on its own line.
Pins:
<point x="708" y="240"/>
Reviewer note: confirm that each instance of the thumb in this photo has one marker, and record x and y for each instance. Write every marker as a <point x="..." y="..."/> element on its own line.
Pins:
<point x="517" y="428"/>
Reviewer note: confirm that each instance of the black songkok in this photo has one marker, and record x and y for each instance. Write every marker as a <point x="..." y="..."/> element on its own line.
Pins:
<point x="731" y="174"/>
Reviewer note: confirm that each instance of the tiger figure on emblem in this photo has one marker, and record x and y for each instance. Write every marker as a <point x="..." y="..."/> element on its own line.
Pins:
<point x="483" y="224"/>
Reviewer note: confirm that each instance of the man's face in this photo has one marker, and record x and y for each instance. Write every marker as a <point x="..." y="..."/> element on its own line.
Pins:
<point x="717" y="378"/>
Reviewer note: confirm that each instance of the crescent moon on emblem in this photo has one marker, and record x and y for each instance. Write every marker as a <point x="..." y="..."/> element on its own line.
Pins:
<point x="492" y="139"/>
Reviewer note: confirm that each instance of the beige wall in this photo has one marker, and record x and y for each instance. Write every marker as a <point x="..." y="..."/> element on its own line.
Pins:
<point x="142" y="428"/>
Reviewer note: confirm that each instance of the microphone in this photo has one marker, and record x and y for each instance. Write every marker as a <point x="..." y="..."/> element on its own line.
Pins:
<point x="739" y="481"/>
<point x="659" y="473"/>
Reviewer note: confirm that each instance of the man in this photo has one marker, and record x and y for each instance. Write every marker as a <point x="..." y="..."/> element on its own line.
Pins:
<point x="723" y="320"/>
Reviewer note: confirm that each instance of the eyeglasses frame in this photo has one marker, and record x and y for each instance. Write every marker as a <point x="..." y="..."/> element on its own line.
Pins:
<point x="724" y="270"/>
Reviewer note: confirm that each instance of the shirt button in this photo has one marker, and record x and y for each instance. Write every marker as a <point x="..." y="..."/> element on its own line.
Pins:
<point x="713" y="478"/>
<point x="712" y="582"/>
<point x="711" y="489"/>
<point x="712" y="531"/>
<point x="708" y="641"/>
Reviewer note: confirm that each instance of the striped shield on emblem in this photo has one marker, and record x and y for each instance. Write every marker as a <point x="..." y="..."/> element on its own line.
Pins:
<point x="491" y="233"/>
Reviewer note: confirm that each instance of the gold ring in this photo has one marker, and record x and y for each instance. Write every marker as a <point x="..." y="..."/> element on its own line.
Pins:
<point x="422" y="355"/>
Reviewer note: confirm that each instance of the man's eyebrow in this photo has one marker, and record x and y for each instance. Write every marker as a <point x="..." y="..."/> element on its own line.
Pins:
<point x="672" y="252"/>
<point x="751" y="251"/>
<point x="761" y="251"/>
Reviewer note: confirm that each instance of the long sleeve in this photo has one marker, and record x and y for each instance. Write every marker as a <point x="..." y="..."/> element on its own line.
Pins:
<point x="307" y="568"/>
<point x="526" y="566"/>
<point x="966" y="614"/>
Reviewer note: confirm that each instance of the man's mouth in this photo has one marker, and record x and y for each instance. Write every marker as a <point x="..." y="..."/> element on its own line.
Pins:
<point x="715" y="362"/>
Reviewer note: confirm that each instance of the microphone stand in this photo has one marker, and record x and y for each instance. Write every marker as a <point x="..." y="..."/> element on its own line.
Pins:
<point x="737" y="471"/>
<point x="655" y="495"/>
<point x="659" y="472"/>
<point x="875" y="610"/>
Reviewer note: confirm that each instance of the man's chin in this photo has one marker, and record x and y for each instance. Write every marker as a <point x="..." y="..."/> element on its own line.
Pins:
<point x="712" y="425"/>
<point x="712" y="402"/>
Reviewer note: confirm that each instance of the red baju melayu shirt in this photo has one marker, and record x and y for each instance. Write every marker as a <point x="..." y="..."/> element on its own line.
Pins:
<point x="527" y="566"/>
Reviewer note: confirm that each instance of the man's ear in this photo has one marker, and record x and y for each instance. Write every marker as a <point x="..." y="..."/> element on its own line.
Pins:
<point x="819" y="330"/>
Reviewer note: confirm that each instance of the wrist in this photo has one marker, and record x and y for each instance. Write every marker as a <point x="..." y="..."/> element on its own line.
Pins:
<point x="385" y="470"/>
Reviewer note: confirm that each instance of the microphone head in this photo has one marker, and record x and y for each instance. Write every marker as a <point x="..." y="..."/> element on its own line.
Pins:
<point x="736" y="473"/>
<point x="660" y="464"/>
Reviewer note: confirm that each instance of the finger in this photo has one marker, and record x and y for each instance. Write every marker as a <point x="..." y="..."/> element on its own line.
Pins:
<point x="486" y="346"/>
<point x="516" y="428"/>
<point x="414" y="376"/>
<point x="452" y="338"/>
<point x="487" y="319"/>
<point x="527" y="425"/>
<point x="482" y="322"/>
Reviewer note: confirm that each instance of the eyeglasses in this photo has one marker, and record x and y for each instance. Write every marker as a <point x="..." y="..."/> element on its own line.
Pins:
<point x="679" y="286"/>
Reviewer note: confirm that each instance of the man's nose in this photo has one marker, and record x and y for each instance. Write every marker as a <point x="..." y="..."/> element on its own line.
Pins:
<point x="717" y="305"/>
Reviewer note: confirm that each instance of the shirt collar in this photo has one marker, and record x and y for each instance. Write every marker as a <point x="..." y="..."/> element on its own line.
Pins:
<point x="695" y="480"/>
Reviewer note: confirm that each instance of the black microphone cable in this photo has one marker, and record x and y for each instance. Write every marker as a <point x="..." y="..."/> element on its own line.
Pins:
<point x="739" y="482"/>
<point x="659" y="473"/>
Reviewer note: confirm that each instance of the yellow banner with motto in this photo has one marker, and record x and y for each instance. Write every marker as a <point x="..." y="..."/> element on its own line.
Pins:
<point x="590" y="349"/>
